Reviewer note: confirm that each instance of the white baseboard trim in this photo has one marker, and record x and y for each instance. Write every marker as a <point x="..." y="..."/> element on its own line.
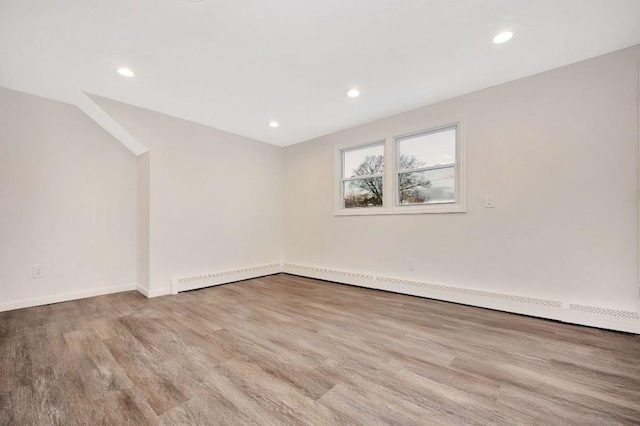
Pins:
<point x="142" y="290"/>
<point x="153" y="293"/>
<point x="593" y="316"/>
<point x="209" y="280"/>
<point x="39" y="301"/>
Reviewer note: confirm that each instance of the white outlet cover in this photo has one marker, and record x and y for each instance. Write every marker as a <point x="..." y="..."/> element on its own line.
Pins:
<point x="490" y="201"/>
<point x="37" y="271"/>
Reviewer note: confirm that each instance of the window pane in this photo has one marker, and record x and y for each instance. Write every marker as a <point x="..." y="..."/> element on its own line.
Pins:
<point x="425" y="150"/>
<point x="363" y="192"/>
<point x="363" y="161"/>
<point x="431" y="186"/>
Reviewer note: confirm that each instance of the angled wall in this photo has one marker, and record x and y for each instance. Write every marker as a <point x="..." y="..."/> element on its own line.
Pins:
<point x="215" y="198"/>
<point x="67" y="189"/>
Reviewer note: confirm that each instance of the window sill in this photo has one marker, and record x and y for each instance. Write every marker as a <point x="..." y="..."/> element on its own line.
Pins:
<point x="400" y="210"/>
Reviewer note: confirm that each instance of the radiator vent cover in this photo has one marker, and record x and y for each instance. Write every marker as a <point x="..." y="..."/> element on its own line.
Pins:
<point x="225" y="273"/>
<point x="330" y="271"/>
<point x="511" y="297"/>
<point x="605" y="311"/>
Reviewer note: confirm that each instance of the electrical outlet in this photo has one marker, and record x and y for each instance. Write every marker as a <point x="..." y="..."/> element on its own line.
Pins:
<point x="410" y="264"/>
<point x="489" y="201"/>
<point x="37" y="271"/>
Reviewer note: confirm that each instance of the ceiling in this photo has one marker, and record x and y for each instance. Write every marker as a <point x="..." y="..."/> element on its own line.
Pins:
<point x="238" y="64"/>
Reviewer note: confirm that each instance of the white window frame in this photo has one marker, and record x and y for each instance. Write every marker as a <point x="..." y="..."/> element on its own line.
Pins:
<point x="340" y="199"/>
<point x="390" y="191"/>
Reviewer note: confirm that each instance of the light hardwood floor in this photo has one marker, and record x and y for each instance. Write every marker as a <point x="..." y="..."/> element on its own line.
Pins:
<point x="291" y="350"/>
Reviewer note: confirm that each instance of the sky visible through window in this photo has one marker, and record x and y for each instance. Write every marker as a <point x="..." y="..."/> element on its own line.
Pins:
<point x="353" y="158"/>
<point x="432" y="149"/>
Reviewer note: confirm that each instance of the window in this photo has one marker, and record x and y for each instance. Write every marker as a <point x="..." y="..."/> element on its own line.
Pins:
<point x="362" y="176"/>
<point x="426" y="167"/>
<point x="421" y="172"/>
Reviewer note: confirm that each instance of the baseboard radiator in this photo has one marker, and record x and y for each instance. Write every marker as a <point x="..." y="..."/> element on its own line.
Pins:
<point x="209" y="280"/>
<point x="594" y="316"/>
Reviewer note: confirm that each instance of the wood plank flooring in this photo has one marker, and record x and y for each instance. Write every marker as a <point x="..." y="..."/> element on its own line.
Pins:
<point x="291" y="350"/>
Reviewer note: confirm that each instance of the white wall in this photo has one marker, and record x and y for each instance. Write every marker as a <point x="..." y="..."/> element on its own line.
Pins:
<point x="560" y="152"/>
<point x="216" y="199"/>
<point x="67" y="201"/>
<point x="143" y="213"/>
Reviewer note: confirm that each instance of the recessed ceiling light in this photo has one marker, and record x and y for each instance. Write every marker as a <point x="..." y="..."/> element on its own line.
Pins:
<point x="503" y="37"/>
<point x="274" y="124"/>
<point x="125" y="72"/>
<point x="353" y="93"/>
<point x="194" y="1"/>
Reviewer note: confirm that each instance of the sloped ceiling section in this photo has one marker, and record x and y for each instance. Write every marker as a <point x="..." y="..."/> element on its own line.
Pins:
<point x="100" y="116"/>
<point x="237" y="65"/>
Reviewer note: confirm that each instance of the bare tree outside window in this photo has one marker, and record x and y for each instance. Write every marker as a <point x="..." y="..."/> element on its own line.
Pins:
<point x="368" y="192"/>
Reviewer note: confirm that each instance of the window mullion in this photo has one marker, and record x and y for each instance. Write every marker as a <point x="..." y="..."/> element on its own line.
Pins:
<point x="388" y="186"/>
